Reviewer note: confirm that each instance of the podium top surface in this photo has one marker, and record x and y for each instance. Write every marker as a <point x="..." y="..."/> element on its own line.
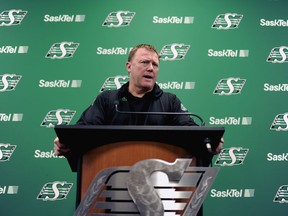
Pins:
<point x="78" y="136"/>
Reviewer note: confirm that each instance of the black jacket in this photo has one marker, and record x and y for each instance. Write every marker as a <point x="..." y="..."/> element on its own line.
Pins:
<point x="103" y="112"/>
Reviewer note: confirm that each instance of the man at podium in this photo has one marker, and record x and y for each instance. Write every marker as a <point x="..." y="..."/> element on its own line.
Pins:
<point x="138" y="102"/>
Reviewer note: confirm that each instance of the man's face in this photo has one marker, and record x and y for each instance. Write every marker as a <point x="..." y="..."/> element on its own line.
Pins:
<point x="143" y="69"/>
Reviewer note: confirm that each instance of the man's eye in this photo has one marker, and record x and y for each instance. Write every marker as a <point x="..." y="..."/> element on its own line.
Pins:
<point x="145" y="63"/>
<point x="155" y="65"/>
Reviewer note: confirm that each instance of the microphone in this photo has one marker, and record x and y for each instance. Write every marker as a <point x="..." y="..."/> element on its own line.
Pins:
<point x="206" y="141"/>
<point x="116" y="103"/>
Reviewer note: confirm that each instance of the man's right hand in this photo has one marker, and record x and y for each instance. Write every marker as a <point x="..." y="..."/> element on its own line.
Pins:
<point x="60" y="149"/>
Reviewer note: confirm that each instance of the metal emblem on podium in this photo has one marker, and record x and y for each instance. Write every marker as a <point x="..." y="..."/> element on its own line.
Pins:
<point x="149" y="187"/>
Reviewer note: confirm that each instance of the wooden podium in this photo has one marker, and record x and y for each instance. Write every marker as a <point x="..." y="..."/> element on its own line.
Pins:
<point x="96" y="148"/>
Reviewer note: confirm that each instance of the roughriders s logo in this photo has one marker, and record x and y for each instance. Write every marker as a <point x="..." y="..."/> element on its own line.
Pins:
<point x="8" y="82"/>
<point x="62" y="50"/>
<point x="119" y="19"/>
<point x="6" y="150"/>
<point x="282" y="195"/>
<point x="232" y="156"/>
<point x="175" y="51"/>
<point x="278" y="55"/>
<point x="227" y="21"/>
<point x="58" y="117"/>
<point x="112" y="83"/>
<point x="229" y="86"/>
<point x="12" y="17"/>
<point x="280" y="122"/>
<point x="53" y="191"/>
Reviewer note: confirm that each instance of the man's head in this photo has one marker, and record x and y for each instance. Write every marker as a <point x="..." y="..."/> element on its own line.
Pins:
<point x="146" y="46"/>
<point x="142" y="66"/>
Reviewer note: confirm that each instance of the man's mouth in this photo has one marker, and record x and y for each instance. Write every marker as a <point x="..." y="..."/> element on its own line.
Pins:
<point x="148" y="77"/>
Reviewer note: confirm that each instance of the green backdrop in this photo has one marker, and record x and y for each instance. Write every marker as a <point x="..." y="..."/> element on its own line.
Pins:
<point x="225" y="59"/>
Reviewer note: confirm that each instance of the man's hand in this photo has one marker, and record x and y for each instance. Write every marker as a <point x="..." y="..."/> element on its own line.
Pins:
<point x="60" y="149"/>
<point x="219" y="147"/>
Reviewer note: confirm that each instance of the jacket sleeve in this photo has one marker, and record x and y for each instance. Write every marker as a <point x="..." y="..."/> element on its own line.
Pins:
<point x="94" y="114"/>
<point x="182" y="120"/>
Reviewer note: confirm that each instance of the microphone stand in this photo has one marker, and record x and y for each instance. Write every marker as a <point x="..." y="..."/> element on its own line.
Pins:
<point x="206" y="141"/>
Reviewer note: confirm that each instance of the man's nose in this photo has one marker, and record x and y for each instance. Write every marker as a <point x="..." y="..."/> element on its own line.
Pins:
<point x="150" y="66"/>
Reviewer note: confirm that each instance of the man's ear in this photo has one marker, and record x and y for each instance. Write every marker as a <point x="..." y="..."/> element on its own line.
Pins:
<point x="128" y="66"/>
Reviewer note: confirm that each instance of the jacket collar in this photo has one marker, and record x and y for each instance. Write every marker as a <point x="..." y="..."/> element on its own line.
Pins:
<point x="155" y="93"/>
